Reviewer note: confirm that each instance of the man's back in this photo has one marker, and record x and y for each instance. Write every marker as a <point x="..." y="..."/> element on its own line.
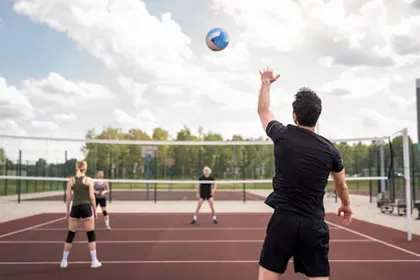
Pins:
<point x="303" y="161"/>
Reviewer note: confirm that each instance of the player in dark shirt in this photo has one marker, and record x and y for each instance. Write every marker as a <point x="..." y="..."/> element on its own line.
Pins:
<point x="205" y="191"/>
<point x="303" y="162"/>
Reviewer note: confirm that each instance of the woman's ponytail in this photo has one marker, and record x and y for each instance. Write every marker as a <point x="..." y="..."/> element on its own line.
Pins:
<point x="80" y="168"/>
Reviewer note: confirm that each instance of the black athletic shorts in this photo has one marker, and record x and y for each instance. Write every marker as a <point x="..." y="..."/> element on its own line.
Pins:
<point x="82" y="211"/>
<point x="303" y="239"/>
<point x="205" y="195"/>
<point x="101" y="201"/>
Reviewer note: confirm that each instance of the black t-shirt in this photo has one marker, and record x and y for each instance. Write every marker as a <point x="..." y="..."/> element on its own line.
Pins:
<point x="205" y="187"/>
<point x="303" y="162"/>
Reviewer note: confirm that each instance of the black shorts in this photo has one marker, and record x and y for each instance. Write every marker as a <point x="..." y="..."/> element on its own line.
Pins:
<point x="205" y="195"/>
<point x="303" y="239"/>
<point x="101" y="201"/>
<point x="82" y="211"/>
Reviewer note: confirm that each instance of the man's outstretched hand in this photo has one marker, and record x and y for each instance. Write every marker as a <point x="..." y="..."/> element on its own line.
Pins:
<point x="267" y="75"/>
<point x="347" y="214"/>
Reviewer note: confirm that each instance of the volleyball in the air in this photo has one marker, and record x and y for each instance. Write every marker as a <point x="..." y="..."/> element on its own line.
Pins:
<point x="217" y="39"/>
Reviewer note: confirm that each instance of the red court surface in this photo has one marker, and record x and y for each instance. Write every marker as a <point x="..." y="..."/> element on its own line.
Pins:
<point x="162" y="195"/>
<point x="165" y="246"/>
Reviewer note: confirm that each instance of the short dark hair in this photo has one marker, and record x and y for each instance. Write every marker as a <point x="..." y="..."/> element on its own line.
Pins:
<point x="307" y="107"/>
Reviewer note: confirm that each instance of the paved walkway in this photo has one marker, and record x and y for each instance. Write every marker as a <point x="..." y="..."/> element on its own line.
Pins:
<point x="363" y="210"/>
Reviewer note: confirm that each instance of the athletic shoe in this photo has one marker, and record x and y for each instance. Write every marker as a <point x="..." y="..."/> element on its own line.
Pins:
<point x="108" y="228"/>
<point x="63" y="264"/>
<point x="215" y="222"/>
<point x="193" y="222"/>
<point x="96" y="264"/>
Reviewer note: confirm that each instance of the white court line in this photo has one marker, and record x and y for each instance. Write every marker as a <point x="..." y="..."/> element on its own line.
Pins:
<point x="193" y="228"/>
<point x="202" y="262"/>
<point x="164" y="241"/>
<point x="31" y="227"/>
<point x="376" y="240"/>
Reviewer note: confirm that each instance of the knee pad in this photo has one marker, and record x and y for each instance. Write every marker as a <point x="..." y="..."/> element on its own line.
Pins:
<point x="91" y="235"/>
<point x="105" y="213"/>
<point x="70" y="236"/>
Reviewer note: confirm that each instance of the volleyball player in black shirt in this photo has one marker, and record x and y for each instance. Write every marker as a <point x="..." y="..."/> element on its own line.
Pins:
<point x="303" y="162"/>
<point x="205" y="191"/>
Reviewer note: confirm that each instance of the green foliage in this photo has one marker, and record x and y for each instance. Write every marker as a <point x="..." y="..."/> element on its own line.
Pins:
<point x="121" y="161"/>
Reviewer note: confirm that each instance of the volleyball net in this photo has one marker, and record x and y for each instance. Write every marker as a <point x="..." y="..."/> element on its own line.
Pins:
<point x="169" y="170"/>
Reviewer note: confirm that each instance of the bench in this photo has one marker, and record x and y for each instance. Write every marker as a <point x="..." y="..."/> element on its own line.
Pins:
<point x="386" y="205"/>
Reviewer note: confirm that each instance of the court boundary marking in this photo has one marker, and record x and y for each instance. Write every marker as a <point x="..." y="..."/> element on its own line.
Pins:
<point x="386" y="244"/>
<point x="204" y="262"/>
<point x="337" y="226"/>
<point x="31" y="227"/>
<point x="191" y="228"/>
<point x="169" y="241"/>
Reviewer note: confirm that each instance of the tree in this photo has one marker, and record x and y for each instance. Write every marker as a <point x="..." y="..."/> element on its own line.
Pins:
<point x="227" y="161"/>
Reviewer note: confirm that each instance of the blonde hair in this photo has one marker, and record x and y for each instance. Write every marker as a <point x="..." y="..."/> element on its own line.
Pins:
<point x="81" y="167"/>
<point x="207" y="168"/>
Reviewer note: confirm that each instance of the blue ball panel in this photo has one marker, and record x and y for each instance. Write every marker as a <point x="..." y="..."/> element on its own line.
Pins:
<point x="217" y="39"/>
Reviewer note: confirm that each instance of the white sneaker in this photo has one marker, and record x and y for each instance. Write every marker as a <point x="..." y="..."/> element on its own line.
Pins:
<point x="96" y="264"/>
<point x="108" y="228"/>
<point x="63" y="264"/>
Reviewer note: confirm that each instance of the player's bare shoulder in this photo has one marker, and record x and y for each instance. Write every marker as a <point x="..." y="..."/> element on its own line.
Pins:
<point x="88" y="180"/>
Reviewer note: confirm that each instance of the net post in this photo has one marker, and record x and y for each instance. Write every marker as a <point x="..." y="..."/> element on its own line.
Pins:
<point x="413" y="172"/>
<point x="6" y="173"/>
<point x="378" y="170"/>
<point x="243" y="192"/>
<point x="170" y="177"/>
<point x="155" y="176"/>
<point x="382" y="165"/>
<point x="370" y="171"/>
<point x="19" y="168"/>
<point x="148" y="156"/>
<point x="243" y="184"/>
<point x="408" y="198"/>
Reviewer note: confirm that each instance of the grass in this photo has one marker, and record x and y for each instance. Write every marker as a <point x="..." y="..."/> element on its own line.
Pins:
<point x="30" y="186"/>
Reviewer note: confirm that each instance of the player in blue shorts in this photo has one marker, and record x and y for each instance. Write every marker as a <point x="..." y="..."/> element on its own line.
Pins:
<point x="303" y="162"/>
<point x="101" y="191"/>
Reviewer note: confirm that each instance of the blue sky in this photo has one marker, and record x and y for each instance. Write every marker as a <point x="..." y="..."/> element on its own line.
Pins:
<point x="31" y="50"/>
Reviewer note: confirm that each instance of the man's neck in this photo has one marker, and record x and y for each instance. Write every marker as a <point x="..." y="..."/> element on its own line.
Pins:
<point x="307" y="128"/>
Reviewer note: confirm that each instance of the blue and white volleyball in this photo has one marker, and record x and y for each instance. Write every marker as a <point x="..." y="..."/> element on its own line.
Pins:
<point x="217" y="39"/>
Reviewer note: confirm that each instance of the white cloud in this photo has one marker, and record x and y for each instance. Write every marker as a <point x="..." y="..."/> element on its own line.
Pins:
<point x="373" y="119"/>
<point x="45" y="125"/>
<point x="122" y="34"/>
<point x="351" y="85"/>
<point x="56" y="90"/>
<point x="10" y="127"/>
<point x="348" y="49"/>
<point x="382" y="124"/>
<point x="270" y="24"/>
<point x="235" y="58"/>
<point x="327" y="27"/>
<point x="144" y="120"/>
<point x="13" y="104"/>
<point x="65" y="117"/>
<point x="135" y="89"/>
